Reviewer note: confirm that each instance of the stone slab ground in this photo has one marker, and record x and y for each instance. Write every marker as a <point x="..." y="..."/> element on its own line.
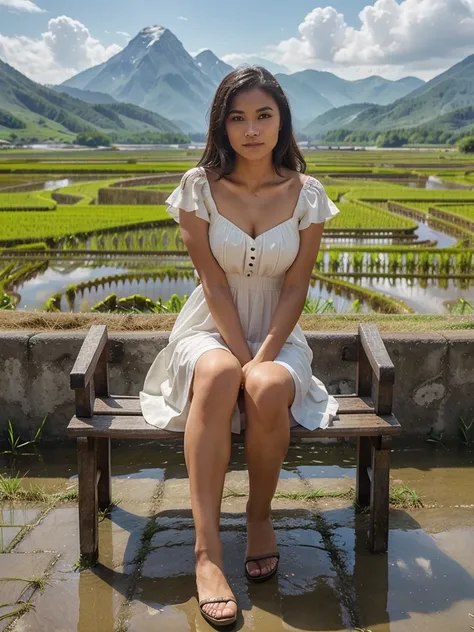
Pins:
<point x="327" y="580"/>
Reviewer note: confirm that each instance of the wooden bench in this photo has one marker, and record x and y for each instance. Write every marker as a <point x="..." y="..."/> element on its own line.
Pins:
<point x="100" y="417"/>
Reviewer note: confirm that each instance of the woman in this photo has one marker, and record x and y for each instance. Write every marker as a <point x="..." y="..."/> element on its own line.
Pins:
<point x="252" y="224"/>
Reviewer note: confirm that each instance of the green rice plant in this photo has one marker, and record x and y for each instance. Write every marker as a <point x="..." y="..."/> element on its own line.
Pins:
<point x="436" y="437"/>
<point x="53" y="304"/>
<point x="25" y="201"/>
<point x="10" y="486"/>
<point x="461" y="306"/>
<point x="406" y="194"/>
<point x="15" y="442"/>
<point x="6" y="302"/>
<point x="466" y="431"/>
<point x="318" y="306"/>
<point x="403" y="496"/>
<point x="21" y="227"/>
<point x="62" y="167"/>
<point x="355" y="215"/>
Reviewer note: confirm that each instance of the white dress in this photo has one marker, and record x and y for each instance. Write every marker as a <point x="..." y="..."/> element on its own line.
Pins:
<point x="255" y="270"/>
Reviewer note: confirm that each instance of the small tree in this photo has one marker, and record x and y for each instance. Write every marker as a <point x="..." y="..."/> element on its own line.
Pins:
<point x="466" y="146"/>
<point x="92" y="139"/>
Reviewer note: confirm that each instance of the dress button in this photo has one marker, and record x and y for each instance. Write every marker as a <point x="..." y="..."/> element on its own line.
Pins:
<point x="252" y="257"/>
<point x="252" y="248"/>
<point x="250" y="264"/>
<point x="248" y="274"/>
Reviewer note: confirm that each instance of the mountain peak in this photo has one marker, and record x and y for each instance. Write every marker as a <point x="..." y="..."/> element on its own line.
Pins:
<point x="152" y="34"/>
<point x="208" y="54"/>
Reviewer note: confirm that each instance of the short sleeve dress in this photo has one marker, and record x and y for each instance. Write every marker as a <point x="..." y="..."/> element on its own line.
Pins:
<point x="255" y="270"/>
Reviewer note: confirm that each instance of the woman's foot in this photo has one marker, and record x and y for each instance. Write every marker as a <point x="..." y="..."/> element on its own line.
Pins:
<point x="261" y="539"/>
<point x="211" y="583"/>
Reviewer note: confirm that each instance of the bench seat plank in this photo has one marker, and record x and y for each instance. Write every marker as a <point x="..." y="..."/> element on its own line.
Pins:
<point x="135" y="427"/>
<point x="119" y="405"/>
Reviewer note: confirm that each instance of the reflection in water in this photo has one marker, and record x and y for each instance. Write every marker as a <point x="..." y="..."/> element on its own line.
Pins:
<point x="51" y="185"/>
<point x="429" y="299"/>
<point x="327" y="580"/>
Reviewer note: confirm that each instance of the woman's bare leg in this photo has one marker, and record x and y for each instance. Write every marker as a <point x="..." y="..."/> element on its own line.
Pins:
<point x="269" y="391"/>
<point x="207" y="444"/>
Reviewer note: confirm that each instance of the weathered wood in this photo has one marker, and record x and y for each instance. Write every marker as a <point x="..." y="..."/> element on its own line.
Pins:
<point x="379" y="497"/>
<point x="104" y="488"/>
<point x="118" y="405"/>
<point x="84" y="398"/>
<point x="88" y="356"/>
<point x="364" y="459"/>
<point x="376" y="352"/>
<point x="88" y="508"/>
<point x="364" y="374"/>
<point x="101" y="373"/>
<point x="135" y="427"/>
<point x="382" y="393"/>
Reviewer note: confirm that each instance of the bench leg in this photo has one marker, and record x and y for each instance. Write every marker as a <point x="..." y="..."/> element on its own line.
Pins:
<point x="379" y="495"/>
<point x="364" y="461"/>
<point x="103" y="463"/>
<point x="88" y="506"/>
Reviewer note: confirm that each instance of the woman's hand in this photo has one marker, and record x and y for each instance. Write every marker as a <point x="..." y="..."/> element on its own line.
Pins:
<point x="246" y="370"/>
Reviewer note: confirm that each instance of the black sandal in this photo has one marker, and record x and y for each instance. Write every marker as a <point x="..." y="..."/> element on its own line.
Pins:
<point x="214" y="620"/>
<point x="261" y="578"/>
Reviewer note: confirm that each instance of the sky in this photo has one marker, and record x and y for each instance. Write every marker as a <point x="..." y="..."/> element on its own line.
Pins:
<point x="51" y="40"/>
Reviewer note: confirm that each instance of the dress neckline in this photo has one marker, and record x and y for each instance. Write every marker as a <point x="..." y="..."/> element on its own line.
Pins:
<point x="290" y="219"/>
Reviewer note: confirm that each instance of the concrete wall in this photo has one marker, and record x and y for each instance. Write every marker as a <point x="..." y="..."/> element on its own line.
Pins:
<point x="434" y="374"/>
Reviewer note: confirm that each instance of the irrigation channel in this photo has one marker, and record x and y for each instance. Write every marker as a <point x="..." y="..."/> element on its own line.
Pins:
<point x="152" y="262"/>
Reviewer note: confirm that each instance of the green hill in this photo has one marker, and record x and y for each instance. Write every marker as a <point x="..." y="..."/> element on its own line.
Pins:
<point x="450" y="91"/>
<point x="334" y="119"/>
<point x="31" y="111"/>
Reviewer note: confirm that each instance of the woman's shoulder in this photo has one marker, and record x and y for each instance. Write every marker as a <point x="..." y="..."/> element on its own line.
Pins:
<point x="195" y="174"/>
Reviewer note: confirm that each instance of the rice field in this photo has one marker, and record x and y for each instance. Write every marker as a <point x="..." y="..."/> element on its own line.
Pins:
<point x="374" y="191"/>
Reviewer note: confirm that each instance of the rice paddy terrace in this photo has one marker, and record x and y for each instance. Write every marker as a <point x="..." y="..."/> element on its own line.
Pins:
<point x="88" y="231"/>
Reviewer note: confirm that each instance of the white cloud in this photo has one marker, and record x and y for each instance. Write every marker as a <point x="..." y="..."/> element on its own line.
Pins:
<point x="411" y="37"/>
<point x="124" y="33"/>
<point x="22" y="5"/>
<point x="65" y="49"/>
<point x="180" y="17"/>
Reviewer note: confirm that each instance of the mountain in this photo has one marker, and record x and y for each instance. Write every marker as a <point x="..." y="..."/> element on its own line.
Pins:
<point x="31" y="110"/>
<point x="451" y="90"/>
<point x="214" y="67"/>
<point x="336" y="118"/>
<point x="313" y="92"/>
<point x="154" y="71"/>
<point x="306" y="101"/>
<point x="85" y="95"/>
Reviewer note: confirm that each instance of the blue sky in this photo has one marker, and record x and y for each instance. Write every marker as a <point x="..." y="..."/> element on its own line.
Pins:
<point x="225" y="27"/>
<point x="51" y="40"/>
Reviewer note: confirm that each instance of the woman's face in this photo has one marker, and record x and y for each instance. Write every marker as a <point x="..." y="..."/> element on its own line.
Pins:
<point x="252" y="124"/>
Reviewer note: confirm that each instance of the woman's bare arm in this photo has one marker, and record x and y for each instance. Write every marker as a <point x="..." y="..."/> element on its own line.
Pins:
<point x="194" y="232"/>
<point x="293" y="293"/>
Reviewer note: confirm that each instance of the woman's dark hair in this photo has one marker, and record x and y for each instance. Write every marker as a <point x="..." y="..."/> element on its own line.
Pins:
<point x="219" y="154"/>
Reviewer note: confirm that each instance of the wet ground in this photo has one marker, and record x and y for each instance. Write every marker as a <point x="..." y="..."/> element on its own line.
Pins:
<point x="327" y="580"/>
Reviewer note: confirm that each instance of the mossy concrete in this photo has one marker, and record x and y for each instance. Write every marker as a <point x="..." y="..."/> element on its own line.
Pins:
<point x="434" y="383"/>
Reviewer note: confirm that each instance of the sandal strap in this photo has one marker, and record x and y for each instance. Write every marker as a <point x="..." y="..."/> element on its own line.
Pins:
<point x="203" y="602"/>
<point x="255" y="558"/>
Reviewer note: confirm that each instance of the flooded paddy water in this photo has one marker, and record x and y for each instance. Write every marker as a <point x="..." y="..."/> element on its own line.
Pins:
<point x="423" y="295"/>
<point x="327" y="579"/>
<point x="57" y="275"/>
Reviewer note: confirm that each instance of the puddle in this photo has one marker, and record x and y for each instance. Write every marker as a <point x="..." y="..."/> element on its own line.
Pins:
<point x="327" y="580"/>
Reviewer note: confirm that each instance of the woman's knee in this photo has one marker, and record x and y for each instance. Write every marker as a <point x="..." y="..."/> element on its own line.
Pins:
<point x="217" y="373"/>
<point x="268" y="388"/>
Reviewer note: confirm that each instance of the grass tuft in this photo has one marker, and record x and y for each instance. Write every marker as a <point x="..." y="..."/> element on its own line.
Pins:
<point x="404" y="496"/>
